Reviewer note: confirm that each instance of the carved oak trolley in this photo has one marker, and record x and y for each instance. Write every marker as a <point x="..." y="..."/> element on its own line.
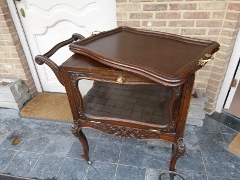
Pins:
<point x="151" y="73"/>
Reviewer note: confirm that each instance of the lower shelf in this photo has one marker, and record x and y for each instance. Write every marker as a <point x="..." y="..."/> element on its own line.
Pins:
<point x="134" y="102"/>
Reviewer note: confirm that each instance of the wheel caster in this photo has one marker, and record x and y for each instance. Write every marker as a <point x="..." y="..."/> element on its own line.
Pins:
<point x="89" y="162"/>
<point x="169" y="175"/>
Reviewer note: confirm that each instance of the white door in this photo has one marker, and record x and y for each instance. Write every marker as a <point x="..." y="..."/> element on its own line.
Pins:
<point x="48" y="22"/>
<point x="233" y="89"/>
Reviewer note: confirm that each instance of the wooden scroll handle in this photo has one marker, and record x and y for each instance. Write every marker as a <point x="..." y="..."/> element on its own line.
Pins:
<point x="41" y="59"/>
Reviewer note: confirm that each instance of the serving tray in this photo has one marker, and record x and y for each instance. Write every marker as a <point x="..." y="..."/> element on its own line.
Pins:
<point x="164" y="58"/>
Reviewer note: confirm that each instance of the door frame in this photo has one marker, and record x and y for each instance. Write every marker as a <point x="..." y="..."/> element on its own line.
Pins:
<point x="24" y="43"/>
<point x="229" y="74"/>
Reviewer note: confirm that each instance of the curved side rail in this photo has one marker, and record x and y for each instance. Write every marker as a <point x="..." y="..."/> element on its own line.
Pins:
<point x="41" y="59"/>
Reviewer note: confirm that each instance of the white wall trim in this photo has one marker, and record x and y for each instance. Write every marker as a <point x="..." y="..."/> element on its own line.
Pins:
<point x="23" y="40"/>
<point x="229" y="74"/>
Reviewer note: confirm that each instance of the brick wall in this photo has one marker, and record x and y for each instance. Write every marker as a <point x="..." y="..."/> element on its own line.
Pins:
<point x="205" y="19"/>
<point x="13" y="63"/>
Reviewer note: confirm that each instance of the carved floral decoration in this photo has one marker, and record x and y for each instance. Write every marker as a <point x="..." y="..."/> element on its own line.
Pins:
<point x="126" y="132"/>
<point x="75" y="77"/>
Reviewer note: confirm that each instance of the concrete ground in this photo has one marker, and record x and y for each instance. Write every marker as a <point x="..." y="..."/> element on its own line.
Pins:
<point x="47" y="150"/>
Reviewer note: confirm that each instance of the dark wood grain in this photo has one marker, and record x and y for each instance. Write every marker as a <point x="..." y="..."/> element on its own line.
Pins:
<point x="138" y="58"/>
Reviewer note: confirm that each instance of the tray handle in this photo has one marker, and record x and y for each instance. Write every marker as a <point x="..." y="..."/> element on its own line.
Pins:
<point x="41" y="59"/>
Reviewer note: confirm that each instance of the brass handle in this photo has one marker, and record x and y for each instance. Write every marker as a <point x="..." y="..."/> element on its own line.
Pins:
<point x="154" y="130"/>
<point x="95" y="122"/>
<point x="119" y="80"/>
<point x="95" y="32"/>
<point x="202" y="61"/>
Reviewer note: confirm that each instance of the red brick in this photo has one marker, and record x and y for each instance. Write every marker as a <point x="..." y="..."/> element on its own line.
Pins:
<point x="4" y="71"/>
<point x="193" y="31"/>
<point x="5" y="31"/>
<point x="2" y="17"/>
<point x="10" y="76"/>
<point x="129" y="23"/>
<point x="213" y="88"/>
<point x="219" y="70"/>
<point x="134" y="1"/>
<point x="201" y="85"/>
<point x="16" y="71"/>
<point x="7" y="16"/>
<point x="6" y="37"/>
<point x="221" y="55"/>
<point x="9" y="43"/>
<point x="154" y="23"/>
<point x="121" y="16"/>
<point x="2" y="43"/>
<point x="220" y="63"/>
<point x="212" y="100"/>
<point x="226" y="48"/>
<point x="217" y="76"/>
<point x="209" y="23"/>
<point x="167" y="0"/>
<point x="10" y="23"/>
<point x="229" y="32"/>
<point x="181" y="23"/>
<point x="233" y="16"/>
<point x="214" y="31"/>
<point x="4" y="10"/>
<point x="234" y="6"/>
<point x="231" y="24"/>
<point x="14" y="55"/>
<point x="212" y="38"/>
<point x="30" y="83"/>
<point x="212" y="94"/>
<point x="168" y="30"/>
<point x="213" y="6"/>
<point x="218" y="15"/>
<point x="3" y="24"/>
<point x="196" y="15"/>
<point x="155" y="7"/>
<point x="13" y="61"/>
<point x="205" y="73"/>
<point x="183" y="6"/>
<point x="227" y="41"/>
<point x="128" y="7"/>
<point x="3" y="3"/>
<point x="121" y="1"/>
<point x="208" y="111"/>
<point x="168" y="15"/>
<point x="141" y="15"/>
<point x="198" y="0"/>
<point x="8" y="49"/>
<point x="214" y="82"/>
<point x="4" y="55"/>
<point x="201" y="79"/>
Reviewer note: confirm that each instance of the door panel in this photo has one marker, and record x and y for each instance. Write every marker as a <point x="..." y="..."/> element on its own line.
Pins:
<point x="48" y="22"/>
<point x="50" y="4"/>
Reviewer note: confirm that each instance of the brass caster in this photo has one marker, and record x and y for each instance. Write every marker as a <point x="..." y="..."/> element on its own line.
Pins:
<point x="89" y="162"/>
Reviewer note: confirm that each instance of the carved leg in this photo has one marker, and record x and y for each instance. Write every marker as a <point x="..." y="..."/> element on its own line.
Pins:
<point x="77" y="131"/>
<point x="178" y="150"/>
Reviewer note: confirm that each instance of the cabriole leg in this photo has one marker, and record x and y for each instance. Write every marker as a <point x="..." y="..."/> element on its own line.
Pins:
<point x="178" y="150"/>
<point x="77" y="131"/>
